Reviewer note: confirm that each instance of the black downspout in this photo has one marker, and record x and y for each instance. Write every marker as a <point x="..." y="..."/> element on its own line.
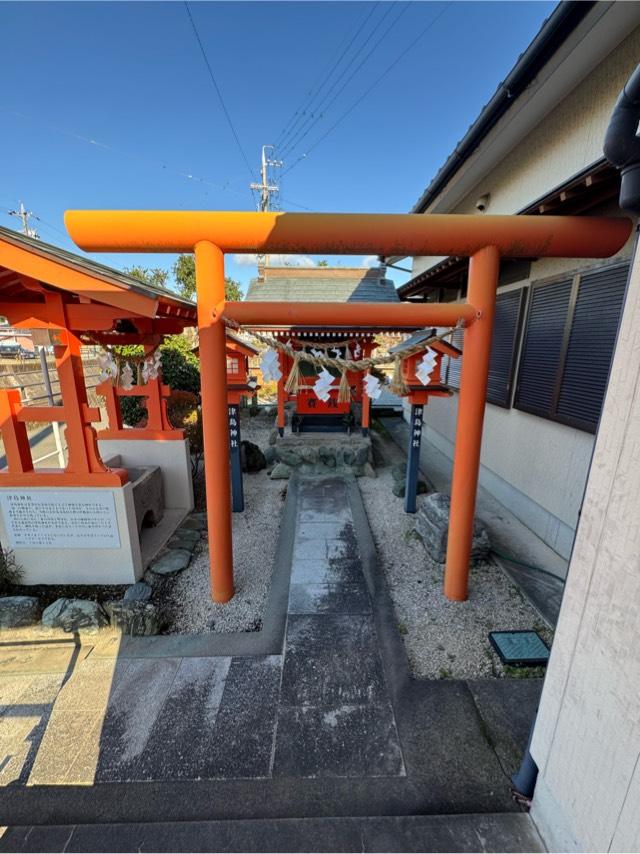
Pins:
<point x="622" y="144"/>
<point x="622" y="150"/>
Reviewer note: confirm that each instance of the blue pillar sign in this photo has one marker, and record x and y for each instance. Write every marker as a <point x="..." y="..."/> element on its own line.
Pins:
<point x="413" y="460"/>
<point x="237" y="491"/>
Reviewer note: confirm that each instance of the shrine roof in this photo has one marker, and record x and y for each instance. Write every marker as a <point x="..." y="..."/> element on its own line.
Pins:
<point x="249" y="349"/>
<point x="23" y="257"/>
<point x="420" y="336"/>
<point x="322" y="284"/>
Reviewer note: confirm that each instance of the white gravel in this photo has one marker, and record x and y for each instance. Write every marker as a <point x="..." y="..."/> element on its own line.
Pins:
<point x="443" y="639"/>
<point x="255" y="535"/>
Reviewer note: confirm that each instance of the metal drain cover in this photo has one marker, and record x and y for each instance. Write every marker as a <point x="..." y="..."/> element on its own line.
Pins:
<point x="520" y="648"/>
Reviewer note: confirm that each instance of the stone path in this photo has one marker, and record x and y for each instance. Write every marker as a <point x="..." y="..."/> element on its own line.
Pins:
<point x="331" y="725"/>
<point x="320" y="708"/>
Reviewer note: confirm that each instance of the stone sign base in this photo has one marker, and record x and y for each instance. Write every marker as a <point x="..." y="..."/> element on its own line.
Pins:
<point x="106" y="535"/>
<point x="432" y="526"/>
<point x="320" y="453"/>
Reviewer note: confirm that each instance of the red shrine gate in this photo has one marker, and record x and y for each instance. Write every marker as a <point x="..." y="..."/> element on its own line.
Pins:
<point x="485" y="239"/>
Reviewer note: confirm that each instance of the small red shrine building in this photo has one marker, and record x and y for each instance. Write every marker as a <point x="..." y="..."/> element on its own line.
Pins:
<point x="323" y="284"/>
<point x="66" y="301"/>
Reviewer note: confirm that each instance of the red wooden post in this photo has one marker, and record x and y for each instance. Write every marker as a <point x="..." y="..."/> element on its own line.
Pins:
<point x="14" y="433"/>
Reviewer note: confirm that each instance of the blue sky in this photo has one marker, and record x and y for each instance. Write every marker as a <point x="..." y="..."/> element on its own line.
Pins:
<point x="110" y="105"/>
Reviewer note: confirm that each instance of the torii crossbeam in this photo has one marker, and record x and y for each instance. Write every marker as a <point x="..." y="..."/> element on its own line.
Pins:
<point x="484" y="239"/>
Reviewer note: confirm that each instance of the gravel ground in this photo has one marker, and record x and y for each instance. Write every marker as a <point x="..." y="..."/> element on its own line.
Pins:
<point x="443" y="639"/>
<point x="255" y="534"/>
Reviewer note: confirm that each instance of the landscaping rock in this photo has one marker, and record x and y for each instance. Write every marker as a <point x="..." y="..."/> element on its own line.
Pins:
<point x="399" y="487"/>
<point x="17" y="611"/>
<point x="289" y="457"/>
<point x="251" y="457"/>
<point x="187" y="535"/>
<point x="178" y="542"/>
<point x="184" y="538"/>
<point x="368" y="470"/>
<point x="399" y="473"/>
<point x="432" y="523"/>
<point x="346" y="457"/>
<point x="135" y="618"/>
<point x="138" y="592"/>
<point x="327" y="456"/>
<point x="195" y="522"/>
<point x="361" y="456"/>
<point x="73" y="615"/>
<point x="308" y="454"/>
<point x="175" y="560"/>
<point x="270" y="455"/>
<point x="273" y="436"/>
<point x="280" y="471"/>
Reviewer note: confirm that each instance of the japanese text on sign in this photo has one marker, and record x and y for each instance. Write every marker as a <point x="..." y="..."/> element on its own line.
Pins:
<point x="71" y="519"/>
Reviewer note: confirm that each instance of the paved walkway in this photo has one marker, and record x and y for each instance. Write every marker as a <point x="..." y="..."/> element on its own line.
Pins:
<point x="332" y="725"/>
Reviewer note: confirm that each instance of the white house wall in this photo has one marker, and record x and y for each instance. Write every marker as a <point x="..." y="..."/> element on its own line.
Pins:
<point x="535" y="466"/>
<point x="587" y="736"/>
<point x="569" y="139"/>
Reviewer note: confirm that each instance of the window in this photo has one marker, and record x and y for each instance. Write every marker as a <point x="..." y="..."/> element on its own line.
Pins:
<point x="506" y="330"/>
<point x="569" y="339"/>
<point x="233" y="365"/>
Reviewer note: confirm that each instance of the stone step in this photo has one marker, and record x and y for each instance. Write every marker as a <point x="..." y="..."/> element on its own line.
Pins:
<point x="473" y="832"/>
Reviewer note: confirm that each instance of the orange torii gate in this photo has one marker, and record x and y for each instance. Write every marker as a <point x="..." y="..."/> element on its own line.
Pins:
<point x="484" y="239"/>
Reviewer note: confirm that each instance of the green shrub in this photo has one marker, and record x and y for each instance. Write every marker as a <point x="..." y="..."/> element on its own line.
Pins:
<point x="133" y="410"/>
<point x="10" y="571"/>
<point x="180" y="370"/>
<point x="180" y="367"/>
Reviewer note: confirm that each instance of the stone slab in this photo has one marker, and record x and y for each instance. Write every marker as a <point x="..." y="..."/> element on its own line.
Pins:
<point x="325" y="571"/>
<point x="37" y="658"/>
<point x="329" y="598"/>
<point x="508" y="707"/>
<point x="242" y="739"/>
<point x="321" y="530"/>
<point x="66" y="736"/>
<point x="344" y="741"/>
<point x="133" y="708"/>
<point x="182" y="738"/>
<point x="331" y="660"/>
<point x="507" y="832"/>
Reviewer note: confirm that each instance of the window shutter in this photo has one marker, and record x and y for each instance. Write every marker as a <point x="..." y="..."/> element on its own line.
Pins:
<point x="541" y="351"/>
<point x="591" y="342"/>
<point x="506" y="327"/>
<point x="454" y="365"/>
<point x="505" y="332"/>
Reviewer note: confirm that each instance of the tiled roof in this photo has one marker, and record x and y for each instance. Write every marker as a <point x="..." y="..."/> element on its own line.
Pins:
<point x="93" y="268"/>
<point x="322" y="284"/>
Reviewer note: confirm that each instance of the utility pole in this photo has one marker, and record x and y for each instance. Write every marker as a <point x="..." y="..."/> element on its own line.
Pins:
<point x="267" y="189"/>
<point x="23" y="215"/>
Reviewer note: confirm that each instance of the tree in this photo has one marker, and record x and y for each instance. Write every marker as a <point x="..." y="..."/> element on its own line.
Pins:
<point x="149" y="275"/>
<point x="323" y="263"/>
<point x="184" y="271"/>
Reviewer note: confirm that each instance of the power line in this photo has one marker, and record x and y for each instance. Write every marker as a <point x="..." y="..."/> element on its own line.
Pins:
<point x="157" y="164"/>
<point x="313" y="92"/>
<point x="359" y="100"/>
<point x="353" y="74"/>
<point x="318" y="114"/>
<point x="219" y="92"/>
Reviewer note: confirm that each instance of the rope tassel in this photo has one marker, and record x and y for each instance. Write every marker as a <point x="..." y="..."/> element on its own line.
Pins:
<point x="398" y="385"/>
<point x="344" y="392"/>
<point x="293" y="380"/>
